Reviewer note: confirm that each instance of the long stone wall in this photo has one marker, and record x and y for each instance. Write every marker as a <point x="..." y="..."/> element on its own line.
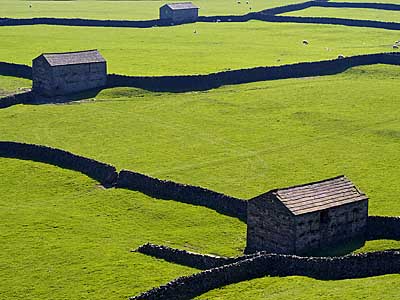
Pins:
<point x="214" y="80"/>
<point x="328" y="21"/>
<point x="164" y="189"/>
<point x="108" y="176"/>
<point x="19" y="98"/>
<point x="381" y="227"/>
<point x="325" y="268"/>
<point x="363" y="5"/>
<point x="221" y="271"/>
<point x="267" y="15"/>
<point x="104" y="173"/>
<point x="187" y="83"/>
<point x="308" y="4"/>
<point x="15" y="70"/>
<point x="186" y="258"/>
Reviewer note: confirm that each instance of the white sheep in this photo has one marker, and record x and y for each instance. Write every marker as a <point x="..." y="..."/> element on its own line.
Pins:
<point x="238" y="2"/>
<point x="305" y="42"/>
<point x="340" y="56"/>
<point x="395" y="46"/>
<point x="247" y="2"/>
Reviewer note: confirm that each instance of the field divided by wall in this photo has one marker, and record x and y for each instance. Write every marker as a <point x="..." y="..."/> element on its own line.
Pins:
<point x="64" y="236"/>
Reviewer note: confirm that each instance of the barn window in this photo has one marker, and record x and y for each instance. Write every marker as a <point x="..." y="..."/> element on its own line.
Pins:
<point x="324" y="217"/>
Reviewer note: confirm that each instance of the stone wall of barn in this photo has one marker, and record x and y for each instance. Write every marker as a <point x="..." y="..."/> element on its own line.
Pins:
<point x="42" y="77"/>
<point x="270" y="226"/>
<point x="179" y="15"/>
<point x="324" y="228"/>
<point x="63" y="80"/>
<point x="76" y="78"/>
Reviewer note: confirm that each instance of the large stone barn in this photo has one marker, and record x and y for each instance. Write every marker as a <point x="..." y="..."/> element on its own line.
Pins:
<point x="182" y="12"/>
<point x="56" y="74"/>
<point x="303" y="218"/>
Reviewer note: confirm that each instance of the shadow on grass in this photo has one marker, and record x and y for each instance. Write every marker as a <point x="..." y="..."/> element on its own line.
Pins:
<point x="77" y="97"/>
<point x="340" y="249"/>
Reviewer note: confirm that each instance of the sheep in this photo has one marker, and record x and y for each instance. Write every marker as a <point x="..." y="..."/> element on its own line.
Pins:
<point x="195" y="31"/>
<point x="238" y="2"/>
<point x="247" y="2"/>
<point x="340" y="56"/>
<point x="305" y="42"/>
<point x="395" y="46"/>
<point x="30" y="5"/>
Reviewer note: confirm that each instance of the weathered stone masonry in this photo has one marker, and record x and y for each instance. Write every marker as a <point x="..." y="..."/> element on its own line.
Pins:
<point x="304" y="218"/>
<point x="56" y="74"/>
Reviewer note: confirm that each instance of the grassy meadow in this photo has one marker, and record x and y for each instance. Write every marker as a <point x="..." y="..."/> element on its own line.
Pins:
<point x="348" y="13"/>
<point x="177" y="50"/>
<point x="125" y="10"/>
<point x="63" y="236"/>
<point x="11" y="85"/>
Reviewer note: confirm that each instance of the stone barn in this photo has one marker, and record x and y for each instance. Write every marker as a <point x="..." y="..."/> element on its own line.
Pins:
<point x="303" y="218"/>
<point x="183" y="12"/>
<point x="56" y="74"/>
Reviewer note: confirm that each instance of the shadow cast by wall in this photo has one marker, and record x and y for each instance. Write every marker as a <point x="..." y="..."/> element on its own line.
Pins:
<point x="65" y="99"/>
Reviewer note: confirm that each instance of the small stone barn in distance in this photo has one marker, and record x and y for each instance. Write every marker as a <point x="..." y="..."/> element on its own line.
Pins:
<point x="303" y="218"/>
<point x="56" y="74"/>
<point x="182" y="12"/>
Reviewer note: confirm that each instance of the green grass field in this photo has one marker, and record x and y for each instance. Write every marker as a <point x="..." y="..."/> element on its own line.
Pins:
<point x="349" y="13"/>
<point x="152" y="52"/>
<point x="125" y="10"/>
<point x="63" y="236"/>
<point x="10" y="85"/>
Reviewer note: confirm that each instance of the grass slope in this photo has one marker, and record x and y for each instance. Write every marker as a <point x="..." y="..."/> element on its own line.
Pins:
<point x="241" y="140"/>
<point x="177" y="50"/>
<point x="62" y="237"/>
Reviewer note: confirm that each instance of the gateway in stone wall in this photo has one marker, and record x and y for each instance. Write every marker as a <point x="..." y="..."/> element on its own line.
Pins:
<point x="307" y="217"/>
<point x="57" y="74"/>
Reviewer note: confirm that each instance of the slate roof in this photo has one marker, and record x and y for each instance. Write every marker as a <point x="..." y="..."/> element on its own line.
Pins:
<point x="73" y="58"/>
<point x="320" y="195"/>
<point x="181" y="5"/>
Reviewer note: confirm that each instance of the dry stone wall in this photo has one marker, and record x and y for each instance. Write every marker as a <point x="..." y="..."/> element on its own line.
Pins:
<point x="19" y="98"/>
<point x="15" y="70"/>
<point x="164" y="189"/>
<point x="326" y="268"/>
<point x="215" y="80"/>
<point x="267" y="15"/>
<point x="104" y="173"/>
<point x="108" y="176"/>
<point x="187" y="83"/>
<point x="381" y="227"/>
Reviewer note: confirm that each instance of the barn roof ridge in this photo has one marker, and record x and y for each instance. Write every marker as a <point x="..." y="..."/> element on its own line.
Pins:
<point x="68" y="52"/>
<point x="318" y="195"/>
<point x="181" y="5"/>
<point x="308" y="183"/>
<point x="73" y="58"/>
